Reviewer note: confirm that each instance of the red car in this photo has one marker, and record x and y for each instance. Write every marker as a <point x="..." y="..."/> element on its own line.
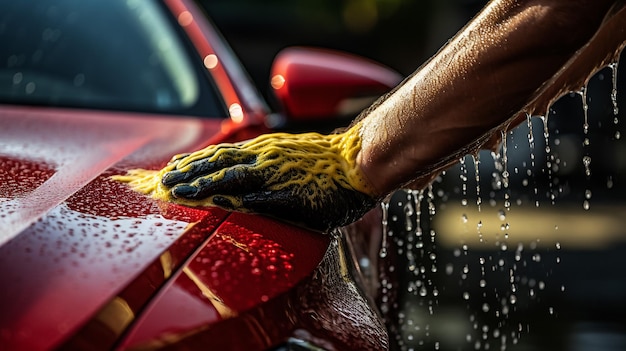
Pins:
<point x="89" y="89"/>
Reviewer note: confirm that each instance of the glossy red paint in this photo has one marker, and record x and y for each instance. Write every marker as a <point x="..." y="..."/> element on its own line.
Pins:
<point x="249" y="261"/>
<point x="317" y="83"/>
<point x="75" y="238"/>
<point x="275" y="291"/>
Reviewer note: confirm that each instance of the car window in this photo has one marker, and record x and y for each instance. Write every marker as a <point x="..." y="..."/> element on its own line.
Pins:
<point x="114" y="54"/>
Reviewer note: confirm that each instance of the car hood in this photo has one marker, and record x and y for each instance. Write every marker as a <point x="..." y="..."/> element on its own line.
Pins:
<point x="50" y="155"/>
<point x="71" y="239"/>
<point x="80" y="252"/>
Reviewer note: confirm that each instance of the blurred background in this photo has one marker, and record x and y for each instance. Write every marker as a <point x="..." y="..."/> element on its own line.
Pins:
<point x="529" y="261"/>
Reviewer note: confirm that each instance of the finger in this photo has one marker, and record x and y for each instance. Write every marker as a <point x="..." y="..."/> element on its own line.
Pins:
<point x="239" y="179"/>
<point x="204" y="167"/>
<point x="184" y="191"/>
<point x="174" y="177"/>
<point x="227" y="202"/>
<point x="176" y="158"/>
<point x="236" y="180"/>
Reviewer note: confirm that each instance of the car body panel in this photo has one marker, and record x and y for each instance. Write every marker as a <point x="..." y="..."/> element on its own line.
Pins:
<point x="249" y="261"/>
<point x="78" y="236"/>
<point x="317" y="84"/>
<point x="79" y="239"/>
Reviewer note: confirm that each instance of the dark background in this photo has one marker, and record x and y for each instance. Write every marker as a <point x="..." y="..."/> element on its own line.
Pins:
<point x="583" y="303"/>
<point x="398" y="33"/>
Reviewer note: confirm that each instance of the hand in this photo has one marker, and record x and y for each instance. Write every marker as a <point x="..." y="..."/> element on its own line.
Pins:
<point x="309" y="179"/>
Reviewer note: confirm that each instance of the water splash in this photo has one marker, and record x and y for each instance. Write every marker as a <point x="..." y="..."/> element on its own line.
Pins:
<point x="583" y="97"/>
<point x="531" y="139"/>
<point x="549" y="157"/>
<point x="418" y="196"/>
<point x="502" y="175"/>
<point x="384" y="205"/>
<point x="463" y="177"/>
<point x="505" y="166"/>
<point x="485" y="301"/>
<point x="431" y="201"/>
<point x="613" y="67"/>
<point x="531" y="145"/>
<point x="476" y="159"/>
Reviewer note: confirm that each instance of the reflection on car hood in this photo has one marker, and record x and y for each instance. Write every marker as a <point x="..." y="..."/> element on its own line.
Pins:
<point x="70" y="236"/>
<point x="75" y="148"/>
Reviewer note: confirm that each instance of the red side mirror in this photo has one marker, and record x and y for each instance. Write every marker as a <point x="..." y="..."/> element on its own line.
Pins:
<point x="317" y="84"/>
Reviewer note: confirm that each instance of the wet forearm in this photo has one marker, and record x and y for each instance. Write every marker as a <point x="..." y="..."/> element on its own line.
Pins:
<point x="493" y="70"/>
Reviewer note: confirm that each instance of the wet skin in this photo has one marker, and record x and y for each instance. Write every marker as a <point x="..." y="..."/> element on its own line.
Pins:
<point x="514" y="58"/>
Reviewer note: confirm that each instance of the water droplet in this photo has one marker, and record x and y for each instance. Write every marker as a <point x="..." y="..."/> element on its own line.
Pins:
<point x="501" y="215"/>
<point x="464" y="218"/>
<point x="485" y="307"/>
<point x="477" y="177"/>
<point x="613" y="67"/>
<point x="583" y="97"/>
<point x="586" y="205"/>
<point x="383" y="252"/>
<point x="385" y="212"/>
<point x="587" y="164"/>
<point x="408" y="212"/>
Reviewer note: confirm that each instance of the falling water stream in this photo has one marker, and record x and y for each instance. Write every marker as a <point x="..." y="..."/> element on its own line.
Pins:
<point x="492" y="315"/>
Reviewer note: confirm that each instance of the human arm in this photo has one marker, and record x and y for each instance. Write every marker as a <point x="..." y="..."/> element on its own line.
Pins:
<point x="515" y="57"/>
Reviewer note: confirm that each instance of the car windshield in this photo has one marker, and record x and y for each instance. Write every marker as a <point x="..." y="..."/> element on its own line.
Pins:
<point x="114" y="54"/>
